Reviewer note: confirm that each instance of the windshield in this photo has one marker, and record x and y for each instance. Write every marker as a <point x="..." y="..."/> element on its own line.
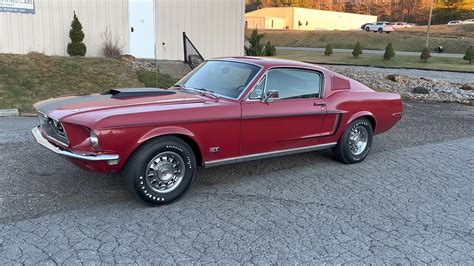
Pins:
<point x="223" y="78"/>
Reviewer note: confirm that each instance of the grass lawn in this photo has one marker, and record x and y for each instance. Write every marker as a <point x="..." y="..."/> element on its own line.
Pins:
<point x="410" y="40"/>
<point x="26" y="79"/>
<point x="438" y="63"/>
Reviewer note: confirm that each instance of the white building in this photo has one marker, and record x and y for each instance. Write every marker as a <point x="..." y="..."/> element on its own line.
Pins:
<point x="295" y="18"/>
<point x="145" y="28"/>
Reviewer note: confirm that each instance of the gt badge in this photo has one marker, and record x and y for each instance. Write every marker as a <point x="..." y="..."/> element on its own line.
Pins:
<point x="214" y="149"/>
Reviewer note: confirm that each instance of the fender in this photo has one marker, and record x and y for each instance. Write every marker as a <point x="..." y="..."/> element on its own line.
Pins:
<point x="361" y="114"/>
<point x="168" y="130"/>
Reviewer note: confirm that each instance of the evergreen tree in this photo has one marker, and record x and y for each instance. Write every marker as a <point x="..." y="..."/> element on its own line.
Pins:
<point x="425" y="54"/>
<point x="357" y="50"/>
<point x="389" y="52"/>
<point x="255" y="48"/>
<point x="76" y="47"/>
<point x="269" y="49"/>
<point x="469" y="54"/>
<point x="328" y="51"/>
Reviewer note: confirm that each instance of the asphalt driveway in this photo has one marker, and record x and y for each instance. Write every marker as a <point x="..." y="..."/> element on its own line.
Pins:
<point x="411" y="201"/>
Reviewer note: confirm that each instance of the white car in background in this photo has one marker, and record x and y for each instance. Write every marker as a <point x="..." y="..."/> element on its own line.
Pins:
<point x="401" y="25"/>
<point x="380" y="27"/>
<point x="456" y="22"/>
<point x="469" y="21"/>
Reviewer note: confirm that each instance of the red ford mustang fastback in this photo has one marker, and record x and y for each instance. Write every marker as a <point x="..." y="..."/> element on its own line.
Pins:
<point x="225" y="111"/>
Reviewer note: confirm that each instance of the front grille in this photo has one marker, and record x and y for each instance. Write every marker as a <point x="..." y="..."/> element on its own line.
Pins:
<point x="53" y="129"/>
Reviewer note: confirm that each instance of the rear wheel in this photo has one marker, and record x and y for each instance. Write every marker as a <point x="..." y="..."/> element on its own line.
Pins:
<point x="161" y="171"/>
<point x="355" y="143"/>
<point x="367" y="29"/>
<point x="380" y="30"/>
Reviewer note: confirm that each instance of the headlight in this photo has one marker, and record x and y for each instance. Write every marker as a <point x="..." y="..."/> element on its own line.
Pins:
<point x="94" y="139"/>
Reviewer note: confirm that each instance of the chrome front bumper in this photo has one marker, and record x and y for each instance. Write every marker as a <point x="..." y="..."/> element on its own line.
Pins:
<point x="110" y="158"/>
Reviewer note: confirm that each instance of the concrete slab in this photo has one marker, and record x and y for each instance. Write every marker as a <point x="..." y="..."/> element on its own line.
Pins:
<point x="9" y="112"/>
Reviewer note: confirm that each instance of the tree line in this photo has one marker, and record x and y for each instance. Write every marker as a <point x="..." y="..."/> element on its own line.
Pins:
<point x="393" y="10"/>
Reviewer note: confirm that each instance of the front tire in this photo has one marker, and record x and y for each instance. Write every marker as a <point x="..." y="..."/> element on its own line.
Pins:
<point x="355" y="143"/>
<point x="160" y="171"/>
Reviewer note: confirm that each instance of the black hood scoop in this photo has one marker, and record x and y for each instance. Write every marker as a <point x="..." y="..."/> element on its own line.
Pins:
<point x="137" y="92"/>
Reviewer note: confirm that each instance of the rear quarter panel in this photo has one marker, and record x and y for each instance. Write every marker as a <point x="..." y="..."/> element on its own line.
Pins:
<point x="348" y="100"/>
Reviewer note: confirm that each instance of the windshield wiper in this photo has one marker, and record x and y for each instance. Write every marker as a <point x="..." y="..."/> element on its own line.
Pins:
<point x="204" y="91"/>
<point x="201" y="91"/>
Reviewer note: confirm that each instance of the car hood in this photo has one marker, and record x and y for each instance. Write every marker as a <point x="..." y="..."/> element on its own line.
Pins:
<point x="116" y="101"/>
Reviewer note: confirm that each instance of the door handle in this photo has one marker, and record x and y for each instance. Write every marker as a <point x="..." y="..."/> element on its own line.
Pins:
<point x="319" y="104"/>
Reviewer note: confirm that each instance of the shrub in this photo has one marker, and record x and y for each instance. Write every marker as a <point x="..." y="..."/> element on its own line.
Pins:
<point x="328" y="51"/>
<point x="425" y="54"/>
<point x="255" y="47"/>
<point x="155" y="79"/>
<point x="111" y="48"/>
<point x="389" y="52"/>
<point x="357" y="50"/>
<point x="469" y="54"/>
<point x="76" y="47"/>
<point x="269" y="49"/>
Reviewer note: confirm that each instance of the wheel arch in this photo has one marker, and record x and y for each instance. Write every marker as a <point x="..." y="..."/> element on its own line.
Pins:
<point x="364" y="114"/>
<point x="181" y="133"/>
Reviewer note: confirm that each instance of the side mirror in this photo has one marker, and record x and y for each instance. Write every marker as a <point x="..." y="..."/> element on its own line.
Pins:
<point x="270" y="95"/>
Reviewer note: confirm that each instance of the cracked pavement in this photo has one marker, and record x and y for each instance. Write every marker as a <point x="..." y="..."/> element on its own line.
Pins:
<point x="410" y="202"/>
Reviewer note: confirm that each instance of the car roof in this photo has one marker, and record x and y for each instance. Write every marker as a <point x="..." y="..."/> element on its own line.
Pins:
<point x="268" y="62"/>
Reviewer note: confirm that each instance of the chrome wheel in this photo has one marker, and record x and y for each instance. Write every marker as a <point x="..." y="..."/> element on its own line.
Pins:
<point x="358" y="139"/>
<point x="165" y="172"/>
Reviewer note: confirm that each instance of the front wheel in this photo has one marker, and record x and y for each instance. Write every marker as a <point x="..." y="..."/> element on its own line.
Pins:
<point x="161" y="171"/>
<point x="355" y="143"/>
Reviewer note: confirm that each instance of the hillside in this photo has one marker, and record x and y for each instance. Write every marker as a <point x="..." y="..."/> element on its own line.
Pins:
<point x="455" y="39"/>
<point x="452" y="31"/>
<point x="26" y="79"/>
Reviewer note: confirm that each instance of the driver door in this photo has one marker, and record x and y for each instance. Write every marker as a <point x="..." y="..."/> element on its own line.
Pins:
<point x="293" y="118"/>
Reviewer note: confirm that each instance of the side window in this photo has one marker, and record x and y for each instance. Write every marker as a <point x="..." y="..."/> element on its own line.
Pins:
<point x="258" y="91"/>
<point x="294" y="83"/>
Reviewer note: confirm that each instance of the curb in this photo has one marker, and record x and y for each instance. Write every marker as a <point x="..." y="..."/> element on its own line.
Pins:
<point x="9" y="112"/>
<point x="28" y="114"/>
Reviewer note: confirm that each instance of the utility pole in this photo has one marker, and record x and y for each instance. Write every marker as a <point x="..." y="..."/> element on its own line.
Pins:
<point x="428" y="31"/>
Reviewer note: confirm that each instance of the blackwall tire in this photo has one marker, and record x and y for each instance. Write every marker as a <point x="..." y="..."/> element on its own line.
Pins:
<point x="161" y="171"/>
<point x="355" y="143"/>
<point x="380" y="30"/>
